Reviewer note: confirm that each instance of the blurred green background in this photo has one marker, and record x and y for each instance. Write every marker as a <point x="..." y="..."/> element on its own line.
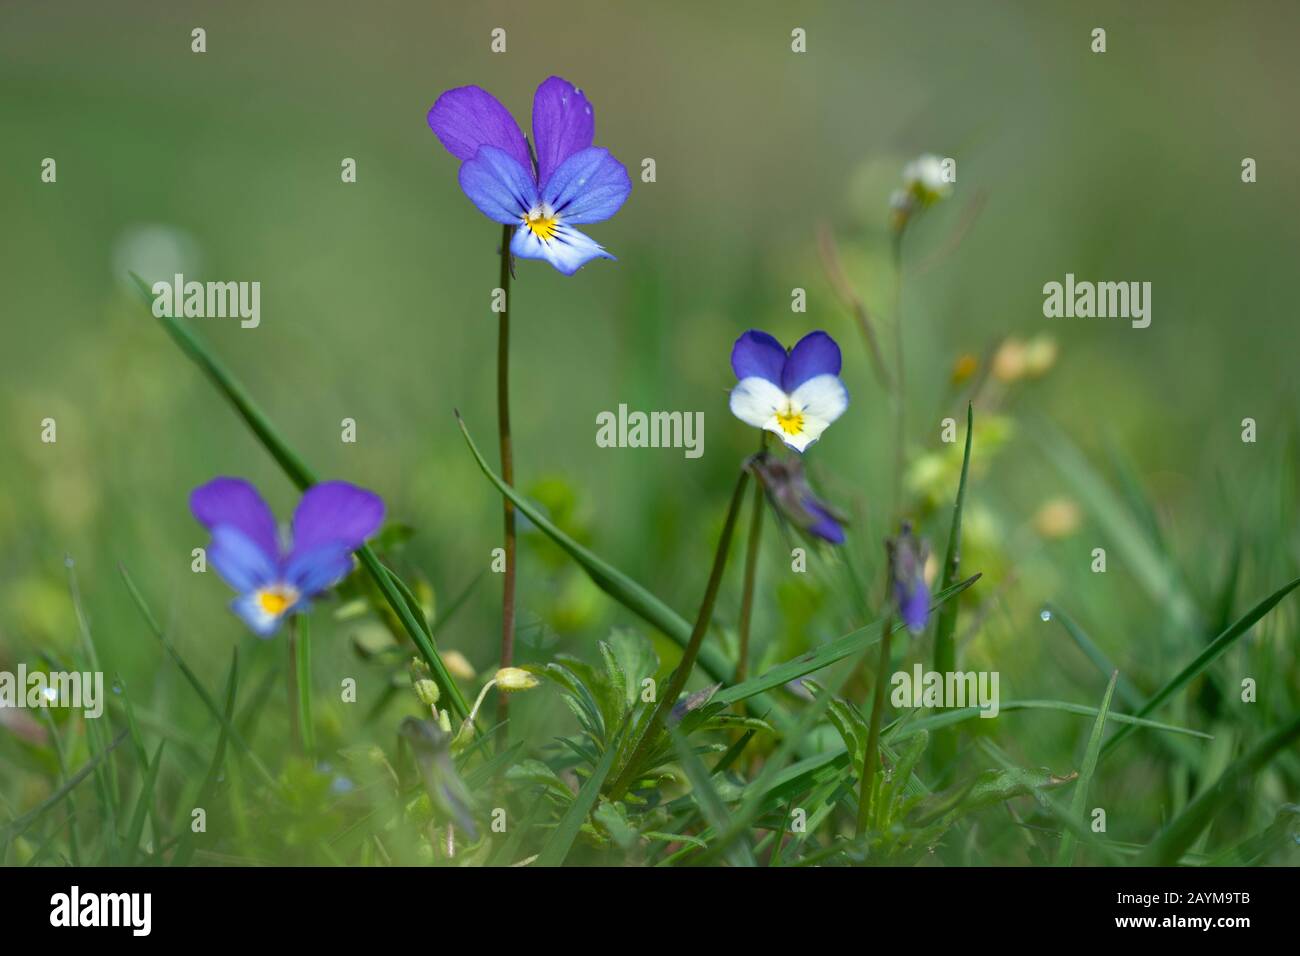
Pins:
<point x="375" y="306"/>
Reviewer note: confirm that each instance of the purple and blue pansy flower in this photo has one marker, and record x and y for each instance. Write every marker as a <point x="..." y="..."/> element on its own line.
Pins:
<point x="796" y="394"/>
<point x="332" y="520"/>
<point x="570" y="183"/>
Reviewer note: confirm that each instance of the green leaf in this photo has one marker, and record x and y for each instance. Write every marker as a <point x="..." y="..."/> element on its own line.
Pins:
<point x="557" y="847"/>
<point x="1065" y="854"/>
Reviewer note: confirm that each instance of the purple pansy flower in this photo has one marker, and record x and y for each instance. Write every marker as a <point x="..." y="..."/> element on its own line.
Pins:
<point x="570" y="183"/>
<point x="907" y="568"/>
<point x="794" y="499"/>
<point x="794" y="394"/>
<point x="332" y="520"/>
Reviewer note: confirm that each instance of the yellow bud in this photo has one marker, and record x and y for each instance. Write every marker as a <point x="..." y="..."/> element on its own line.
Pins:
<point x="458" y="664"/>
<point x="514" y="678"/>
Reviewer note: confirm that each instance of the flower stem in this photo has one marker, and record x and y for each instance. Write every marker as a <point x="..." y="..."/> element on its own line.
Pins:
<point x="871" y="756"/>
<point x="295" y="693"/>
<point x="751" y="571"/>
<point x="900" y="380"/>
<point x="507" y="472"/>
<point x="677" y="681"/>
<point x="306" y="727"/>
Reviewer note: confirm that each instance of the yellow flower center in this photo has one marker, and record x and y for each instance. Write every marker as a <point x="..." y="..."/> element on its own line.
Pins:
<point x="542" y="225"/>
<point x="276" y="600"/>
<point x="790" y="420"/>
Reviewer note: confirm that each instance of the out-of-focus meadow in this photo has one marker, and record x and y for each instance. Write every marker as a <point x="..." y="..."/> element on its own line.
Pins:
<point x="375" y="305"/>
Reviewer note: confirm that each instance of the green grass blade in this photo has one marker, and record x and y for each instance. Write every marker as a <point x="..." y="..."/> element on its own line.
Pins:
<point x="1065" y="853"/>
<point x="960" y="714"/>
<point x="1175" y="839"/>
<point x="1128" y="694"/>
<point x="1212" y="652"/>
<point x="706" y="796"/>
<point x="144" y="803"/>
<point x="193" y="680"/>
<point x="16" y="827"/>
<point x="303" y="477"/>
<point x="186" y="849"/>
<point x="852" y="643"/>
<point x="1149" y="566"/>
<point x="945" y="629"/>
<point x="608" y="578"/>
<point x="558" y="846"/>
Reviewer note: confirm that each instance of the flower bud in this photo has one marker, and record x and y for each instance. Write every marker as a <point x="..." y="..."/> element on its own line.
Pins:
<point x="511" y="679"/>
<point x="427" y="691"/>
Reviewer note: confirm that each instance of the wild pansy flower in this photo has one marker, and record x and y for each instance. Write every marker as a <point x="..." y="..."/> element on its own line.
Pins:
<point x="794" y="394"/>
<point x="569" y="183"/>
<point x="907" y="571"/>
<point x="331" y="521"/>
<point x="794" y="500"/>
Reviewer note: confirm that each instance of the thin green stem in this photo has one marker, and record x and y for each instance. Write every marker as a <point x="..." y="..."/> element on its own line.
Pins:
<point x="295" y="690"/>
<point x="507" y="473"/>
<point x="900" y="380"/>
<point x="871" y="756"/>
<point x="302" y="677"/>
<point x="677" y="682"/>
<point x="751" y="571"/>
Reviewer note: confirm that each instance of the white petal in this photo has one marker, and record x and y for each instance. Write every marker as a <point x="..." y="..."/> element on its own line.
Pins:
<point x="755" y="402"/>
<point x="567" y="249"/>
<point x="823" y="399"/>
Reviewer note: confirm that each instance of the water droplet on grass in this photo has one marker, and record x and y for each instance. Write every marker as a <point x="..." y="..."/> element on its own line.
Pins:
<point x="1045" y="614"/>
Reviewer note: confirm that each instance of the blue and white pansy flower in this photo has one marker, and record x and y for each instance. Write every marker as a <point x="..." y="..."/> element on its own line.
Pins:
<point x="569" y="183"/>
<point x="796" y="394"/>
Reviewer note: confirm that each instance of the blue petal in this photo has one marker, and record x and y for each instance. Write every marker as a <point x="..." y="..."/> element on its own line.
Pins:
<point x="814" y="354"/>
<point x="239" y="560"/>
<point x="336" y="512"/>
<point x="235" y="502"/>
<point x="758" y="355"/>
<point x="314" y="570"/>
<point x="567" y="249"/>
<point x="469" y="117"/>
<point x="589" y="186"/>
<point x="824" y="526"/>
<point x="495" y="182"/>
<point x="913" y="605"/>
<point x="563" y="124"/>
